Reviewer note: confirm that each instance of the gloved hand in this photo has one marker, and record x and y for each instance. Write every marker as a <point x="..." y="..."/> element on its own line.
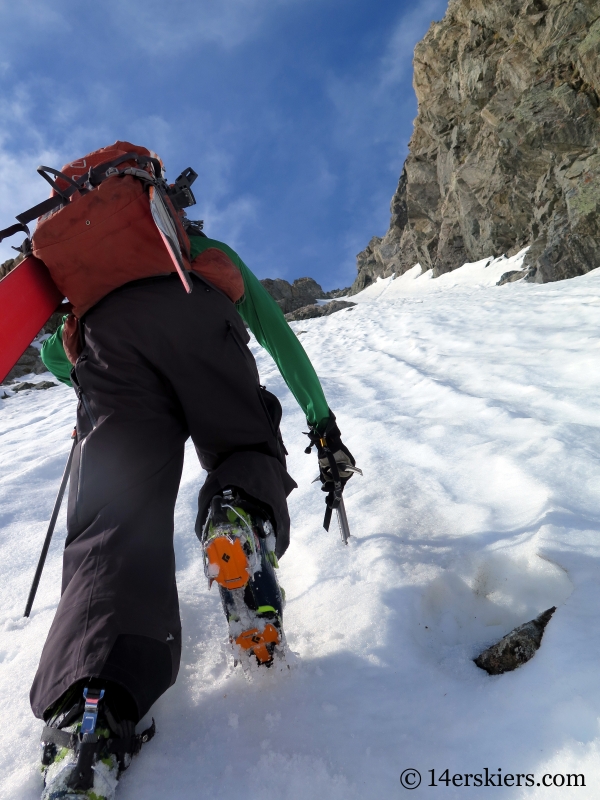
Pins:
<point x="336" y="467"/>
<point x="343" y="459"/>
<point x="331" y="440"/>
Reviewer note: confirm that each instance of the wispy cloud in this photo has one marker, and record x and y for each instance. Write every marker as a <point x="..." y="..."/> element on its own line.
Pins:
<point x="25" y="144"/>
<point x="366" y="104"/>
<point x="374" y="112"/>
<point x="29" y="16"/>
<point x="21" y="186"/>
<point x="396" y="63"/>
<point x="227" y="222"/>
<point x="155" y="24"/>
<point x="295" y="113"/>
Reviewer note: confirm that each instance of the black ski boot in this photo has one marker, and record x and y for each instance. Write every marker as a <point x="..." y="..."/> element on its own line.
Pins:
<point x="238" y="544"/>
<point x="87" y="743"/>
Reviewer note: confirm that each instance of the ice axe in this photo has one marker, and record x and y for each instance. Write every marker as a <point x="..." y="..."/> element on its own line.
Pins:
<point x="334" y="487"/>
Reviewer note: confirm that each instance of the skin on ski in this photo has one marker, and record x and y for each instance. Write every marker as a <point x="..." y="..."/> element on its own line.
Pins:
<point x="28" y="298"/>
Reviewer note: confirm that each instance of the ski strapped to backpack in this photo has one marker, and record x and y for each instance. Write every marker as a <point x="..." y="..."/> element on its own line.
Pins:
<point x="112" y="219"/>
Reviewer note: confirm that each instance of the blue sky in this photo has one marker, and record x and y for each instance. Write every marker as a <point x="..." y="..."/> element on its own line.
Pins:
<point x="295" y="113"/>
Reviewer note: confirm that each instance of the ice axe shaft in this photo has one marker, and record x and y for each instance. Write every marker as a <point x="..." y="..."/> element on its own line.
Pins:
<point x="343" y="521"/>
<point x="50" y="531"/>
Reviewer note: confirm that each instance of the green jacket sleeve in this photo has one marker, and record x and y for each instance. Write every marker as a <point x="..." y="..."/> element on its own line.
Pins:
<point x="54" y="356"/>
<point x="266" y="321"/>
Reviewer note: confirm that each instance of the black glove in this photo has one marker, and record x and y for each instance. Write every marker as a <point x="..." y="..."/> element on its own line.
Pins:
<point x="336" y="462"/>
<point x="331" y="439"/>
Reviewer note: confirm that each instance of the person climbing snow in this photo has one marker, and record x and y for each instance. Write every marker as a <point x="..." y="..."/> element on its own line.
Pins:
<point x="154" y="362"/>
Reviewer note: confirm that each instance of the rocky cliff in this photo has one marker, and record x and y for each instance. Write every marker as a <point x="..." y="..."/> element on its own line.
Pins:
<point x="505" y="148"/>
<point x="302" y="292"/>
<point x="290" y="296"/>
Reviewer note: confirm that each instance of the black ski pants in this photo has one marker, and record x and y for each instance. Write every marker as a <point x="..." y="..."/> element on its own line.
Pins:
<point x="157" y="366"/>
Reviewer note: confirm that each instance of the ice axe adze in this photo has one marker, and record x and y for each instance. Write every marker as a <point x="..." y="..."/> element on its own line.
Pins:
<point x="50" y="531"/>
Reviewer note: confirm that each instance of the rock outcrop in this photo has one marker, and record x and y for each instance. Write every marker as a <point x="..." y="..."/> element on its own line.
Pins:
<point x="29" y="363"/>
<point x="505" y="149"/>
<point x="313" y="311"/>
<point x="8" y="266"/>
<point x="290" y="296"/>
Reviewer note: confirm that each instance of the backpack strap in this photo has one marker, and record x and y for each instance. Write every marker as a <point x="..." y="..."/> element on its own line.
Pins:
<point x="76" y="187"/>
<point x="14" y="229"/>
<point x="94" y="177"/>
<point x="33" y="213"/>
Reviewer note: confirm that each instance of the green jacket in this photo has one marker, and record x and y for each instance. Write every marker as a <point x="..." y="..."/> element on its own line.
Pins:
<point x="266" y="321"/>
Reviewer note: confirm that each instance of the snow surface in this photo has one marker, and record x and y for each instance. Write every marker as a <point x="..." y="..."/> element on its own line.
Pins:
<point x="474" y="411"/>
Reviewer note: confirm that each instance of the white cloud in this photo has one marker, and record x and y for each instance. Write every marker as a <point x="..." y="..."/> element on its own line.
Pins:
<point x="396" y="63"/>
<point x="21" y="186"/>
<point x="373" y="116"/>
<point x="160" y="27"/>
<point x="155" y="24"/>
<point x="24" y="146"/>
<point x="27" y="16"/>
<point x="360" y="102"/>
<point x="227" y="221"/>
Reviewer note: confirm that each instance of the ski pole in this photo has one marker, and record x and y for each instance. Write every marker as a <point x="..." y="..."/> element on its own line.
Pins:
<point x="51" y="526"/>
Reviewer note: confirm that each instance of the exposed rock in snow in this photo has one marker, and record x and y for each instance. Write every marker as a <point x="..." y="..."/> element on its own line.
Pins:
<point x="302" y="292"/>
<point x="511" y="276"/>
<point x="313" y="311"/>
<point x="20" y="387"/>
<point x="290" y="296"/>
<point x="30" y="362"/>
<point x="504" y="152"/>
<point x="517" y="647"/>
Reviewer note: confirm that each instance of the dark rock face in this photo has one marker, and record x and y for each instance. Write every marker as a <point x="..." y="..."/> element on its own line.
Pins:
<point x="516" y="648"/>
<point x="333" y="293"/>
<point x="505" y="148"/>
<point x="290" y="296"/>
<point x="312" y="311"/>
<point x="8" y="265"/>
<point x="30" y="361"/>
<point x="512" y="276"/>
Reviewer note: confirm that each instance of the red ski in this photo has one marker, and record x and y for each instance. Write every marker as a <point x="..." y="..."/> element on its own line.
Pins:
<point x="28" y="298"/>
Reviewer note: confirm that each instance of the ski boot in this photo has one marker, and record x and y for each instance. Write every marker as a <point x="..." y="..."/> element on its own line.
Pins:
<point x="238" y="545"/>
<point x="86" y="746"/>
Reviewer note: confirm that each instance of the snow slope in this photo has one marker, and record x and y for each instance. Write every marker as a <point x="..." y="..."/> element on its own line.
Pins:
<point x="474" y="411"/>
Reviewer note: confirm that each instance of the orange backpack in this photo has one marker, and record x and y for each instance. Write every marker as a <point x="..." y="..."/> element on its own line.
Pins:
<point x="112" y="219"/>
